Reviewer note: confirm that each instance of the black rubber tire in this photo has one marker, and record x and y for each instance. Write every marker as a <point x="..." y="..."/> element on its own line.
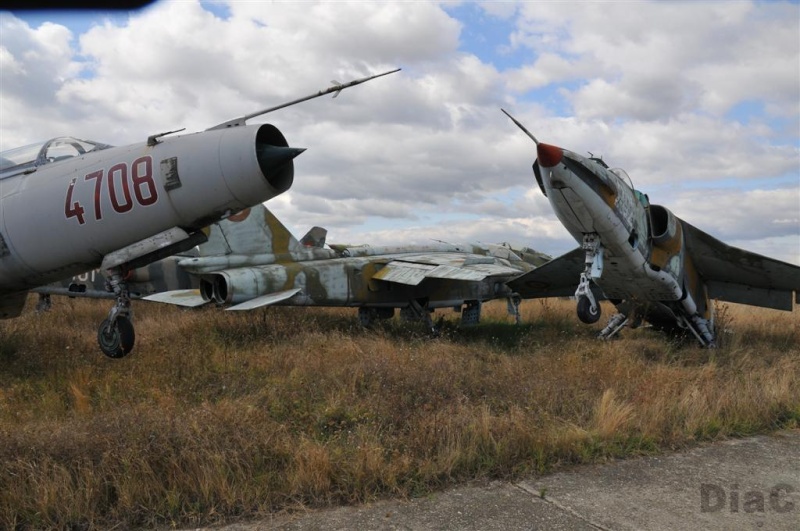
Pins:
<point x="119" y="342"/>
<point x="585" y="313"/>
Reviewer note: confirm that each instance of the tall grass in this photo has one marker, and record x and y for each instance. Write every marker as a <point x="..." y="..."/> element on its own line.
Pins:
<point x="217" y="416"/>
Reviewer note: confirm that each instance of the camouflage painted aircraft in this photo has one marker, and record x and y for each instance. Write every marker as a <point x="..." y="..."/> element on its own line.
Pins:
<point x="649" y="263"/>
<point x="252" y="260"/>
<point x="69" y="205"/>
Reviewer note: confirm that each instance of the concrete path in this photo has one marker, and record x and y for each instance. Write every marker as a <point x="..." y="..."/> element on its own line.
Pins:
<point x="751" y="483"/>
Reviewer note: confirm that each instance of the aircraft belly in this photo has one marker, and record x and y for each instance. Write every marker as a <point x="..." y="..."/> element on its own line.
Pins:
<point x="623" y="279"/>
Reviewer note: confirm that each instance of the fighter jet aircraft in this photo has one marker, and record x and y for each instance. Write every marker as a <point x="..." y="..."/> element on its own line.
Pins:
<point x="69" y="205"/>
<point x="649" y="263"/>
<point x="252" y="260"/>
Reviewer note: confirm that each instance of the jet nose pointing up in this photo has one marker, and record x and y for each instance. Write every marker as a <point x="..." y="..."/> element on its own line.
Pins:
<point x="549" y="155"/>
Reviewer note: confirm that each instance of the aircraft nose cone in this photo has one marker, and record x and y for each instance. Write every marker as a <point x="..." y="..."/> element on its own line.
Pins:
<point x="549" y="155"/>
<point x="276" y="164"/>
<point x="274" y="157"/>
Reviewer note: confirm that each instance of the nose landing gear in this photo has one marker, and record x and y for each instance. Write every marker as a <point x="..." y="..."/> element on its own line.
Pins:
<point x="588" y="310"/>
<point x="116" y="338"/>
<point x="116" y="335"/>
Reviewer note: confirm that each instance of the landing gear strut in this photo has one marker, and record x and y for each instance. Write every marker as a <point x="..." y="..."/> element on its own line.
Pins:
<point x="44" y="304"/>
<point x="116" y="335"/>
<point x="615" y="324"/>
<point x="512" y="305"/>
<point x="417" y="312"/>
<point x="588" y="308"/>
<point x="367" y="315"/>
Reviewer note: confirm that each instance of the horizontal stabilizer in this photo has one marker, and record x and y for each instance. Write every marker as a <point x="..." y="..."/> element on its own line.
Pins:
<point x="266" y="300"/>
<point x="314" y="238"/>
<point x="181" y="297"/>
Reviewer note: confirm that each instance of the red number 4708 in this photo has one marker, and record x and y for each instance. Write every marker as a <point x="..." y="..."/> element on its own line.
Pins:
<point x="120" y="182"/>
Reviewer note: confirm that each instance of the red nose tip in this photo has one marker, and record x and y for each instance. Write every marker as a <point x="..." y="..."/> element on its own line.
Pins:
<point x="549" y="155"/>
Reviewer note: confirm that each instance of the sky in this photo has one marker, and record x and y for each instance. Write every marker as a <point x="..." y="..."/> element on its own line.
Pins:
<point x="699" y="102"/>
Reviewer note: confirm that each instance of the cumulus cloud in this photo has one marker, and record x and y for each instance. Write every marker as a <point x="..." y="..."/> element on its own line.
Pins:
<point x="426" y="153"/>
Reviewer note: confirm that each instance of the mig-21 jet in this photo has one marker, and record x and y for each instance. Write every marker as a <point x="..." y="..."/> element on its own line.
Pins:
<point x="649" y="263"/>
<point x="252" y="260"/>
<point x="69" y="205"/>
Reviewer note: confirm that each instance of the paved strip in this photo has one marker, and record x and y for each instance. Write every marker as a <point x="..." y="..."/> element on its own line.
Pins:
<point x="751" y="483"/>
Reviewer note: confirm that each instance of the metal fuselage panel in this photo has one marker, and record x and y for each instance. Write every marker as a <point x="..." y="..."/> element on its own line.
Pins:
<point x="61" y="219"/>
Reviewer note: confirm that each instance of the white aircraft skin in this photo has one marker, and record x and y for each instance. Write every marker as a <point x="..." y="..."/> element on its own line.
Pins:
<point x="68" y="205"/>
<point x="649" y="263"/>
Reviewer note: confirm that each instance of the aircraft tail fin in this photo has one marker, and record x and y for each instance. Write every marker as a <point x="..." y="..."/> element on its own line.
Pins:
<point x="314" y="238"/>
<point x="252" y="231"/>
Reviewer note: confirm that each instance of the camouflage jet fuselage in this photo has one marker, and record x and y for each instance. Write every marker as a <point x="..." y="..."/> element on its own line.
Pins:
<point x="252" y="260"/>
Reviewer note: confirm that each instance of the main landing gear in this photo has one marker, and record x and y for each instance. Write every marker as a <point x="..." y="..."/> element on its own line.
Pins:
<point x="512" y="306"/>
<point x="588" y="308"/>
<point x="116" y="335"/>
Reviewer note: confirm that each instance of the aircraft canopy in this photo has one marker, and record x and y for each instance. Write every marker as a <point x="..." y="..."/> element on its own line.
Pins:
<point x="28" y="158"/>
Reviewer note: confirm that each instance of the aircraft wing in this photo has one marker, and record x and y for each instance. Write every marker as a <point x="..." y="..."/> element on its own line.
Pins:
<point x="191" y="298"/>
<point x="735" y="275"/>
<point x="413" y="269"/>
<point x="182" y="297"/>
<point x="557" y="278"/>
<point x="266" y="300"/>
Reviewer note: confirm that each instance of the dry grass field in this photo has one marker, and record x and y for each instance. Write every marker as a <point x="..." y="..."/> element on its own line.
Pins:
<point x="218" y="416"/>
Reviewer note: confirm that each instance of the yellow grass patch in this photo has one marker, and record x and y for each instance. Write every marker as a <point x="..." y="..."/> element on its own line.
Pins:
<point x="217" y="416"/>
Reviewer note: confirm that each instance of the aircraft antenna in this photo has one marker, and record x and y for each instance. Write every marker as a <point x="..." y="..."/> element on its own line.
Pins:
<point x="521" y="127"/>
<point x="336" y="88"/>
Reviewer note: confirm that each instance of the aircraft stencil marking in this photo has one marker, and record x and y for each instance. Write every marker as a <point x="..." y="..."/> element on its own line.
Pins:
<point x="141" y="178"/>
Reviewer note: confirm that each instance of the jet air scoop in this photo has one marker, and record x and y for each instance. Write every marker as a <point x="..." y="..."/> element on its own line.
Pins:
<point x="549" y="155"/>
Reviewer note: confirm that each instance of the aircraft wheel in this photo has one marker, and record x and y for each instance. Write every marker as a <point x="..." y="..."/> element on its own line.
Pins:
<point x="367" y="316"/>
<point x="585" y="312"/>
<point x="118" y="341"/>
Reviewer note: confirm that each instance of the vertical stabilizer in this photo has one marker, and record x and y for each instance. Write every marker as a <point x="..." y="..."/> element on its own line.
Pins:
<point x="314" y="238"/>
<point x="252" y="231"/>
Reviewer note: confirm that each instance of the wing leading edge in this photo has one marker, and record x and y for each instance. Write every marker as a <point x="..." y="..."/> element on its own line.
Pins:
<point x="557" y="278"/>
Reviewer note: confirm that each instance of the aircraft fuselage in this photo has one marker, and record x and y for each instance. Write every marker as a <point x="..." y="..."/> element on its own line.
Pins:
<point x="635" y="251"/>
<point x="62" y="218"/>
